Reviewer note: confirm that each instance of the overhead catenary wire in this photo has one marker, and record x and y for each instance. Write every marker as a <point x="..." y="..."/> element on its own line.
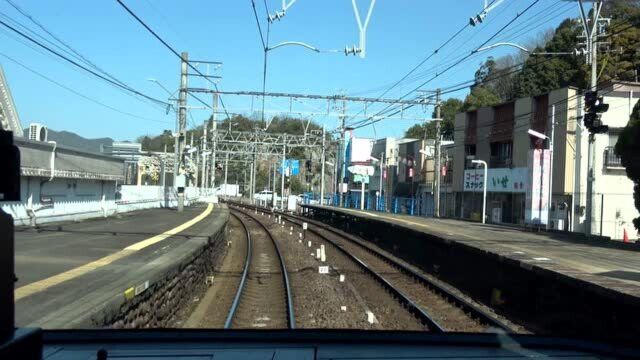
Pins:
<point x="62" y="42"/>
<point x="152" y="32"/>
<point x="127" y="88"/>
<point x="362" y="123"/>
<point x="19" y="63"/>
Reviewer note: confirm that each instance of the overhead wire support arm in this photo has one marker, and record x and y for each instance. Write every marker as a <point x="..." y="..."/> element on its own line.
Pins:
<point x="361" y="49"/>
<point x="475" y="20"/>
<point x="293" y="43"/>
<point x="280" y="14"/>
<point x="489" y="47"/>
<point x="205" y="76"/>
<point x="317" y="97"/>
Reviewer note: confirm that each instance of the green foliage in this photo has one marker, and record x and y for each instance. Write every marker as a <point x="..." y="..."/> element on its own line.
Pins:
<point x="448" y="111"/>
<point x="480" y="96"/>
<point x="542" y="74"/>
<point x="236" y="172"/>
<point x="628" y="148"/>
<point x="157" y="143"/>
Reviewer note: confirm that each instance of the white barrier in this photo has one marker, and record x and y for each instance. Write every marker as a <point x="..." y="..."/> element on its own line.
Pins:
<point x="72" y="200"/>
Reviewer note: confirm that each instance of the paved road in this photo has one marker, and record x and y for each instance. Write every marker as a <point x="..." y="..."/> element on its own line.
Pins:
<point x="66" y="271"/>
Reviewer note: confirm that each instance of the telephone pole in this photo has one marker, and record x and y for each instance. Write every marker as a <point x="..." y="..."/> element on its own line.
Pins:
<point x="214" y="128"/>
<point x="322" y="160"/>
<point x="592" y="32"/>
<point x="203" y="182"/>
<point x="182" y="121"/>
<point x="342" y="153"/>
<point x="436" y="163"/>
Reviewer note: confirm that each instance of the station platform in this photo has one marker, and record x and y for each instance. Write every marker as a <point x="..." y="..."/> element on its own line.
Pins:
<point x="554" y="251"/>
<point x="548" y="280"/>
<point x="69" y="272"/>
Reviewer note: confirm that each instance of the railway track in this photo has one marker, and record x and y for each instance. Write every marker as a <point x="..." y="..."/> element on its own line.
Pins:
<point x="439" y="308"/>
<point x="263" y="298"/>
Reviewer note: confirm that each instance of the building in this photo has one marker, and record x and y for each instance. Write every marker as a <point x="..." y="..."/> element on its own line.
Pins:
<point x="499" y="135"/>
<point x="9" y="118"/>
<point x="61" y="183"/>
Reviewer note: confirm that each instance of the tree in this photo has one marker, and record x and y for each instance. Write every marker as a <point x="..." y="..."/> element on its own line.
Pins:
<point x="478" y="97"/>
<point x="628" y="148"/>
<point x="448" y="111"/>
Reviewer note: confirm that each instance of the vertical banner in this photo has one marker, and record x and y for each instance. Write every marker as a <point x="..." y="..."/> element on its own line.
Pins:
<point x="537" y="195"/>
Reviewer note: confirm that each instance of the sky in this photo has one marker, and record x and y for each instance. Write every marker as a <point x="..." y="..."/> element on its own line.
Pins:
<point x="400" y="35"/>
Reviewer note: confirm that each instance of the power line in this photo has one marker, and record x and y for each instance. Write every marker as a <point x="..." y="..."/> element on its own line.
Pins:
<point x="66" y="45"/>
<point x="373" y="120"/>
<point x="128" y="88"/>
<point x="255" y="14"/>
<point x="173" y="51"/>
<point x="76" y="92"/>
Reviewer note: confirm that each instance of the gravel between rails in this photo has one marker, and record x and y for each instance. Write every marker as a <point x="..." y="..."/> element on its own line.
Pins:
<point x="318" y="298"/>
<point x="213" y="308"/>
<point x="449" y="315"/>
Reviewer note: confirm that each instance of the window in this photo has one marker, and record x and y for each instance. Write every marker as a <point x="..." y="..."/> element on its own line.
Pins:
<point x="469" y="150"/>
<point x="501" y="154"/>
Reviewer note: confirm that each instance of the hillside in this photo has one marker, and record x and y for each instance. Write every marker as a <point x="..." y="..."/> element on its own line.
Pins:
<point x="74" y="140"/>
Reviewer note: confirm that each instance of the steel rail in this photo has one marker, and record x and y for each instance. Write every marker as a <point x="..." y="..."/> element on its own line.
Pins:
<point x="464" y="304"/>
<point x="414" y="308"/>
<point x="482" y="315"/>
<point x="291" y="321"/>
<point x="245" y="272"/>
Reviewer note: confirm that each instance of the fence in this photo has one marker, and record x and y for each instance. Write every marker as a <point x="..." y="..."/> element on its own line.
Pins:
<point x="64" y="200"/>
<point x="397" y="205"/>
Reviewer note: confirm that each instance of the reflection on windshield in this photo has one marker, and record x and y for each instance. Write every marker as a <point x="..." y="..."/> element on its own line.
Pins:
<point x="263" y="174"/>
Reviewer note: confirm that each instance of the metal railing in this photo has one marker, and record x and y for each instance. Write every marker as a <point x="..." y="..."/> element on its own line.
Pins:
<point x="611" y="160"/>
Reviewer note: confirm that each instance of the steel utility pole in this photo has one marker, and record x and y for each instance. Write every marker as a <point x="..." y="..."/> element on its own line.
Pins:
<point x="342" y="153"/>
<point x="164" y="166"/>
<point x="214" y="129"/>
<point x="203" y="182"/>
<point x="182" y="121"/>
<point x="226" y="171"/>
<point x="322" y="160"/>
<point x="273" y="188"/>
<point x="284" y="157"/>
<point x="551" y="139"/>
<point x="436" y="165"/>
<point x="591" y="33"/>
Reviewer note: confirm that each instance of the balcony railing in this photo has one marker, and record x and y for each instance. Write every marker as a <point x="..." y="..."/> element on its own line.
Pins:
<point x="611" y="160"/>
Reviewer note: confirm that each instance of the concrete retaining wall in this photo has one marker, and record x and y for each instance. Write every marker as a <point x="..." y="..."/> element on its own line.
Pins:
<point x="168" y="295"/>
<point x="545" y="301"/>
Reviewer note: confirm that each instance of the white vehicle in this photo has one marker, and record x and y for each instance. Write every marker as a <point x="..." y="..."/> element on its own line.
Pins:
<point x="265" y="195"/>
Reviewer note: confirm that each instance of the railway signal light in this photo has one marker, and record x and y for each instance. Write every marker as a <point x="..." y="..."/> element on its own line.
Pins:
<point x="594" y="106"/>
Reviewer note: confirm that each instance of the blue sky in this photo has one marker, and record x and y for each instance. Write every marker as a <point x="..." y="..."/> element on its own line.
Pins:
<point x="400" y="35"/>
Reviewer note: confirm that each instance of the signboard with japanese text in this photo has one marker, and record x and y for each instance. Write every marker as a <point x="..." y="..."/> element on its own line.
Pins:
<point x="510" y="180"/>
<point x="537" y="195"/>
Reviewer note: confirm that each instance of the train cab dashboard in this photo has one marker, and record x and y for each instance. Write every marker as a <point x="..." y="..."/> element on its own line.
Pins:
<point x="296" y="344"/>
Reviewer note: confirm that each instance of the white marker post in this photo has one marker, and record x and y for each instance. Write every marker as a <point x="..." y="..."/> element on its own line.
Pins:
<point x="323" y="255"/>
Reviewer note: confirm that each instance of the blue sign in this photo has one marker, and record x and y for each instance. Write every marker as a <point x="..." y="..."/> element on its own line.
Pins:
<point x="291" y="167"/>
